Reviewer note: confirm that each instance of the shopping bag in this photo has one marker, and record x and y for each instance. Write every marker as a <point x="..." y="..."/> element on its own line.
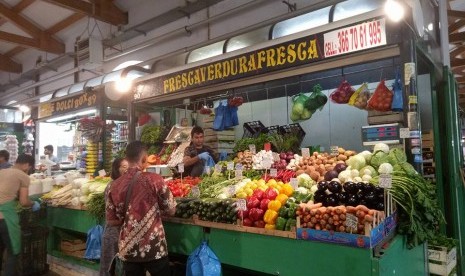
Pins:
<point x="298" y="111"/>
<point x="360" y="98"/>
<point x="94" y="243"/>
<point x="316" y="100"/>
<point x="203" y="262"/>
<point x="381" y="99"/>
<point x="116" y="267"/>
<point x="343" y="93"/>
<point x="398" y="99"/>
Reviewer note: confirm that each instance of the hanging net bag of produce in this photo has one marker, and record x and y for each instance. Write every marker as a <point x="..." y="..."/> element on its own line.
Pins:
<point x="202" y="262"/>
<point x="343" y="93"/>
<point x="381" y="99"/>
<point x="360" y="98"/>
<point x="299" y="112"/>
<point x="398" y="100"/>
<point x="316" y="100"/>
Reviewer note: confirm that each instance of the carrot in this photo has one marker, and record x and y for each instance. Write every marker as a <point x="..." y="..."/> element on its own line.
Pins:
<point x="310" y="225"/>
<point x="313" y="220"/>
<point x="317" y="227"/>
<point x="314" y="206"/>
<point x="351" y="209"/>
<point x="342" y="217"/>
<point x="335" y="217"/>
<point x="323" y="222"/>
<point x="342" y="228"/>
<point x="368" y="218"/>
<point x="371" y="212"/>
<point x="360" y="214"/>
<point x="321" y="210"/>
<point x="362" y="208"/>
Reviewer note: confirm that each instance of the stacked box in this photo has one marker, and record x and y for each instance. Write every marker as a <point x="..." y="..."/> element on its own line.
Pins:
<point x="441" y="260"/>
<point x="429" y="167"/>
<point x="219" y="141"/>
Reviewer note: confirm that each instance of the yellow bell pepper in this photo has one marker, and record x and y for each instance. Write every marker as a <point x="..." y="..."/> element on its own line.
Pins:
<point x="274" y="205"/>
<point x="282" y="198"/>
<point x="270" y="216"/>
<point x="287" y="189"/>
<point x="270" y="226"/>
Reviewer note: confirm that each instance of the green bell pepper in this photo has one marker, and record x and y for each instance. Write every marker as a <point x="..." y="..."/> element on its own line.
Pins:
<point x="281" y="223"/>
<point x="291" y="211"/>
<point x="290" y="223"/>
<point x="283" y="212"/>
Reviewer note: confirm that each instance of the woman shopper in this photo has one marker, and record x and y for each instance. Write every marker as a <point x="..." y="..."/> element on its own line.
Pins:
<point x="111" y="233"/>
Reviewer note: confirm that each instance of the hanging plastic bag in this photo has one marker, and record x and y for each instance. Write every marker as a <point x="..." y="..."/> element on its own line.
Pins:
<point x="343" y="93"/>
<point x="316" y="100"/>
<point x="360" y="98"/>
<point x="218" y="123"/>
<point x="381" y="99"/>
<point x="398" y="98"/>
<point x="94" y="243"/>
<point x="203" y="262"/>
<point x="299" y="112"/>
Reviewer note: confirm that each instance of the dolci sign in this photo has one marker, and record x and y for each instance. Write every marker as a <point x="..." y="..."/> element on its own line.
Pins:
<point x="70" y="104"/>
<point x="297" y="52"/>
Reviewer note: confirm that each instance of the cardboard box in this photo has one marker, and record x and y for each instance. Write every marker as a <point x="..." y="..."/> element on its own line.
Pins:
<point x="72" y="245"/>
<point x="377" y="234"/>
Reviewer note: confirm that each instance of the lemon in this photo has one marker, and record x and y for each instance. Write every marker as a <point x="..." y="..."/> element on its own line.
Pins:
<point x="248" y="191"/>
<point x="272" y="182"/>
<point x="241" y="195"/>
<point x="261" y="181"/>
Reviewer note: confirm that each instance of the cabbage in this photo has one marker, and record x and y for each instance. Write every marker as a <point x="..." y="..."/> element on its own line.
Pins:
<point x="100" y="188"/>
<point x="83" y="199"/>
<point x="304" y="180"/>
<point x="385" y="168"/>
<point x="354" y="173"/>
<point x="368" y="170"/>
<point x="356" y="162"/>
<point x="367" y="155"/>
<point x="381" y="147"/>
<point x="344" y="175"/>
<point x="397" y="156"/>
<point x="358" y="179"/>
<point x="302" y="190"/>
<point x="85" y="189"/>
<point x="366" y="178"/>
<point x="379" y="158"/>
<point x="298" y="108"/>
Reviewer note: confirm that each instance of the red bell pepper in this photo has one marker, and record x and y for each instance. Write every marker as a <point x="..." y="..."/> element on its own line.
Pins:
<point x="253" y="202"/>
<point x="256" y="214"/>
<point x="259" y="224"/>
<point x="258" y="194"/>
<point x="264" y="204"/>
<point x="243" y="214"/>
<point x="271" y="193"/>
<point x="247" y="222"/>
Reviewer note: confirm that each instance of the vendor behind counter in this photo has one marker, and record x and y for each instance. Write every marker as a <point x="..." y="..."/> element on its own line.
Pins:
<point x="197" y="155"/>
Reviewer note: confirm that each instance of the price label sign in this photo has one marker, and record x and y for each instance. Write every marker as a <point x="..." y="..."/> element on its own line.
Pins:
<point x="238" y="174"/>
<point x="355" y="38"/>
<point x="157" y="170"/>
<point x="195" y="191"/>
<point x="305" y="152"/>
<point x="218" y="168"/>
<point x="207" y="170"/>
<point x="385" y="181"/>
<point x="230" y="166"/>
<point x="181" y="167"/>
<point x="241" y="204"/>
<point x="276" y="157"/>
<point x="404" y="133"/>
<point x="334" y="150"/>
<point x="294" y="183"/>
<point x="232" y="190"/>
<point x="102" y="173"/>
<point x="273" y="172"/>
<point x="238" y="166"/>
<point x="252" y="149"/>
<point x="351" y="221"/>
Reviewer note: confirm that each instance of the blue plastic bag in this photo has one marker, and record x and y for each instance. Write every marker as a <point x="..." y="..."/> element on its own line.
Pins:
<point x="203" y="262"/>
<point x="94" y="243"/>
<point x="397" y="99"/>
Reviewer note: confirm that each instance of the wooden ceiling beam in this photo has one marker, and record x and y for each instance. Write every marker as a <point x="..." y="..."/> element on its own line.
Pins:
<point x="19" y="21"/>
<point x="16" y="50"/>
<point x="8" y="65"/>
<point x="458" y="71"/>
<point x="65" y="23"/>
<point x="457" y="38"/>
<point x="457" y="62"/>
<point x="460" y="49"/>
<point x="460" y="79"/>
<point x="457" y="25"/>
<point x="102" y="10"/>
<point x="22" y="5"/>
<point x="456" y="14"/>
<point x="41" y="43"/>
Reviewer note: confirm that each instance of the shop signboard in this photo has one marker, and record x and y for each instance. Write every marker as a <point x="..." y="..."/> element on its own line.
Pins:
<point x="297" y="52"/>
<point x="69" y="104"/>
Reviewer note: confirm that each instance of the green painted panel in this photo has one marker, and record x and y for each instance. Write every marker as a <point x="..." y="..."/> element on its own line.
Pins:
<point x="399" y="260"/>
<point x="182" y="238"/>
<point x="75" y="220"/>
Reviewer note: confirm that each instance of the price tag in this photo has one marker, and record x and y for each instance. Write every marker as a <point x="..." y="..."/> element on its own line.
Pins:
<point x="218" y="168"/>
<point x="241" y="204"/>
<point x="195" y="191"/>
<point x="207" y="170"/>
<point x="334" y="150"/>
<point x="266" y="164"/>
<point x="276" y="157"/>
<point x="385" y="181"/>
<point x="355" y="38"/>
<point x="230" y="166"/>
<point x="232" y="190"/>
<point x="252" y="149"/>
<point x="102" y="173"/>
<point x="238" y="174"/>
<point x="305" y="152"/>
<point x="351" y="221"/>
<point x="404" y="133"/>
<point x="294" y="183"/>
<point x="181" y="167"/>
<point x="157" y="170"/>
<point x="239" y="166"/>
<point x="273" y="172"/>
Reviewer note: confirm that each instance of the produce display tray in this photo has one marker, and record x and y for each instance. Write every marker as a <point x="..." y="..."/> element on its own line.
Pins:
<point x="377" y="234"/>
<point x="176" y="131"/>
<point x="441" y="261"/>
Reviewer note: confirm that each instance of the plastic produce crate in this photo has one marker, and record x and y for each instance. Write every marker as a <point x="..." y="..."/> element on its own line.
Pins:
<point x="33" y="256"/>
<point x="271" y="130"/>
<point x="441" y="261"/>
<point x="293" y="128"/>
<point x="28" y="218"/>
<point x="252" y="129"/>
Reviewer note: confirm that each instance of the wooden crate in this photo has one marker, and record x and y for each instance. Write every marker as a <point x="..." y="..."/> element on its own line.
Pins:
<point x="441" y="261"/>
<point x="72" y="245"/>
<point x="376" y="118"/>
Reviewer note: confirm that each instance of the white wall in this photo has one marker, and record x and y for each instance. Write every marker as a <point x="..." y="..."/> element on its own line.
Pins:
<point x="53" y="134"/>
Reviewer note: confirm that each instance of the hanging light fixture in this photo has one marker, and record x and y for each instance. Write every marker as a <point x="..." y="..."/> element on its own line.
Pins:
<point x="394" y="10"/>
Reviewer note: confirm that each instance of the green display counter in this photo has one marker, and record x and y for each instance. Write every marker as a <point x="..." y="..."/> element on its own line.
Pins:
<point x="269" y="254"/>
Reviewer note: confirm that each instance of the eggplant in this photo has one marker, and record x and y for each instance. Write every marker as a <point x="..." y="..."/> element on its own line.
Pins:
<point x="359" y="186"/>
<point x="334" y="187"/>
<point x="330" y="175"/>
<point x="367" y="187"/>
<point x="319" y="196"/>
<point x="352" y="200"/>
<point x="380" y="206"/>
<point x="343" y="197"/>
<point x="322" y="185"/>
<point x="378" y="190"/>
<point x="350" y="187"/>
<point x="340" y="167"/>
<point x="331" y="200"/>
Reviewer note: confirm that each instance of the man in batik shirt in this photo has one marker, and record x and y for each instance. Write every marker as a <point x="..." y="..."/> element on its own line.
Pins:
<point x="142" y="244"/>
